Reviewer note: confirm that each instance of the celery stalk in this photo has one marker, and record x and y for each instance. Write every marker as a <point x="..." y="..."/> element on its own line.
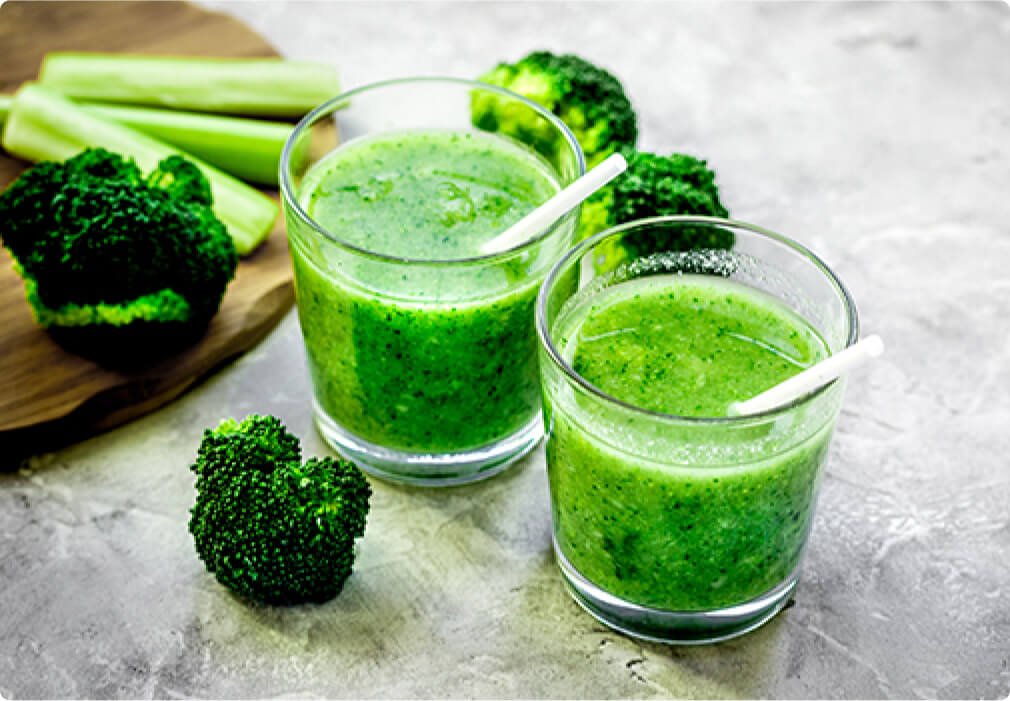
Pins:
<point x="249" y="149"/>
<point x="43" y="125"/>
<point x="263" y="87"/>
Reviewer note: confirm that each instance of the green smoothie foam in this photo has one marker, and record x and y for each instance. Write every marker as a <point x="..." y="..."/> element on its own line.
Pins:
<point x="419" y="358"/>
<point x="637" y="515"/>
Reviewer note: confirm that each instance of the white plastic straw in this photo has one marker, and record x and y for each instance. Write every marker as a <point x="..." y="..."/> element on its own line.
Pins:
<point x="557" y="206"/>
<point x="811" y="378"/>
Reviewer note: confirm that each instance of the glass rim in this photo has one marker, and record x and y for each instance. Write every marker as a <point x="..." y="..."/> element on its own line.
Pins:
<point x="291" y="201"/>
<point x="577" y="251"/>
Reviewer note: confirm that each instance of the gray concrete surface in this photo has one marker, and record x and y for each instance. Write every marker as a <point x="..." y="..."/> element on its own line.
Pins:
<point x="877" y="134"/>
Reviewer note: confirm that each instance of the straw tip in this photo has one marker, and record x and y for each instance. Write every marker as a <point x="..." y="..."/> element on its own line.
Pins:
<point x="874" y="345"/>
<point x="558" y="205"/>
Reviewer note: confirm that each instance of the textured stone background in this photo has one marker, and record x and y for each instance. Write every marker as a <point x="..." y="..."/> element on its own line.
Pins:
<point x="877" y="134"/>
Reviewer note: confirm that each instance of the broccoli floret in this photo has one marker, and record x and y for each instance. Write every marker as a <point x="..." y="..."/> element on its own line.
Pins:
<point x="269" y="527"/>
<point x="98" y="245"/>
<point x="182" y="180"/>
<point x="585" y="97"/>
<point x="653" y="186"/>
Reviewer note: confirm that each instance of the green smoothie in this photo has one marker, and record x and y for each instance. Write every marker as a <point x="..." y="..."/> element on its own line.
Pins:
<point x="422" y="357"/>
<point x="655" y="519"/>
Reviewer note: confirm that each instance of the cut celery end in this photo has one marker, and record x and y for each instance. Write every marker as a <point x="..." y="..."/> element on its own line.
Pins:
<point x="249" y="149"/>
<point x="262" y="86"/>
<point x="43" y="125"/>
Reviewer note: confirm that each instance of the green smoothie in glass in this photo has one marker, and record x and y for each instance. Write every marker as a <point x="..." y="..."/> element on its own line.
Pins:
<point x="681" y="537"/>
<point x="410" y="357"/>
<point x="421" y="349"/>
<point x="672" y="520"/>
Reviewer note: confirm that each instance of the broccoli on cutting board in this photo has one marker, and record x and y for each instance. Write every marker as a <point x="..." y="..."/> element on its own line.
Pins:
<point x="102" y="247"/>
<point x="588" y="99"/>
<point x="266" y="525"/>
<point x="45" y="126"/>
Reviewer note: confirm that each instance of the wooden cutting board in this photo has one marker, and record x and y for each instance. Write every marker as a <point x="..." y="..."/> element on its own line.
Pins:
<point x="48" y="395"/>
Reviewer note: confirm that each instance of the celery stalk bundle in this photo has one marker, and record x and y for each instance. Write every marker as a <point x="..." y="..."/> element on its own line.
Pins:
<point x="44" y="125"/>
<point x="263" y="87"/>
<point x="113" y="101"/>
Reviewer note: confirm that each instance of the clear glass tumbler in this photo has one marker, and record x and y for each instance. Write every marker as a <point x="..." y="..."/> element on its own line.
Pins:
<point x="423" y="371"/>
<point x="671" y="528"/>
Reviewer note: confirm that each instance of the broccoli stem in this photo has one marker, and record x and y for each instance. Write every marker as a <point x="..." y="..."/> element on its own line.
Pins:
<point x="249" y="149"/>
<point x="43" y="125"/>
<point x="5" y="107"/>
<point x="263" y="87"/>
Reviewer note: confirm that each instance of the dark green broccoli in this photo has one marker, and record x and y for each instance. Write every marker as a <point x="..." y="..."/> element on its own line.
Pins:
<point x="269" y="527"/>
<point x="656" y="186"/>
<point x="587" y="98"/>
<point x="98" y="245"/>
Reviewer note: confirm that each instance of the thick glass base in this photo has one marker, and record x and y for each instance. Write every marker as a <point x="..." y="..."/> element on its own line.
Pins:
<point x="429" y="469"/>
<point x="676" y="627"/>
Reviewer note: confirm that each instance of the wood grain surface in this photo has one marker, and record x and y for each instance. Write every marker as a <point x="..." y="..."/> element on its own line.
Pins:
<point x="50" y="396"/>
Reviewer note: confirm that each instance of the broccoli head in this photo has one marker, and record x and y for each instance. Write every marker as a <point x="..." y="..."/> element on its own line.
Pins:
<point x="269" y="527"/>
<point x="585" y="97"/>
<point x="653" y="186"/>
<point x="98" y="245"/>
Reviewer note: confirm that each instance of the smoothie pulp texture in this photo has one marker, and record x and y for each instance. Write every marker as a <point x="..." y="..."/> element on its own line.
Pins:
<point x="637" y="516"/>
<point x="421" y="356"/>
